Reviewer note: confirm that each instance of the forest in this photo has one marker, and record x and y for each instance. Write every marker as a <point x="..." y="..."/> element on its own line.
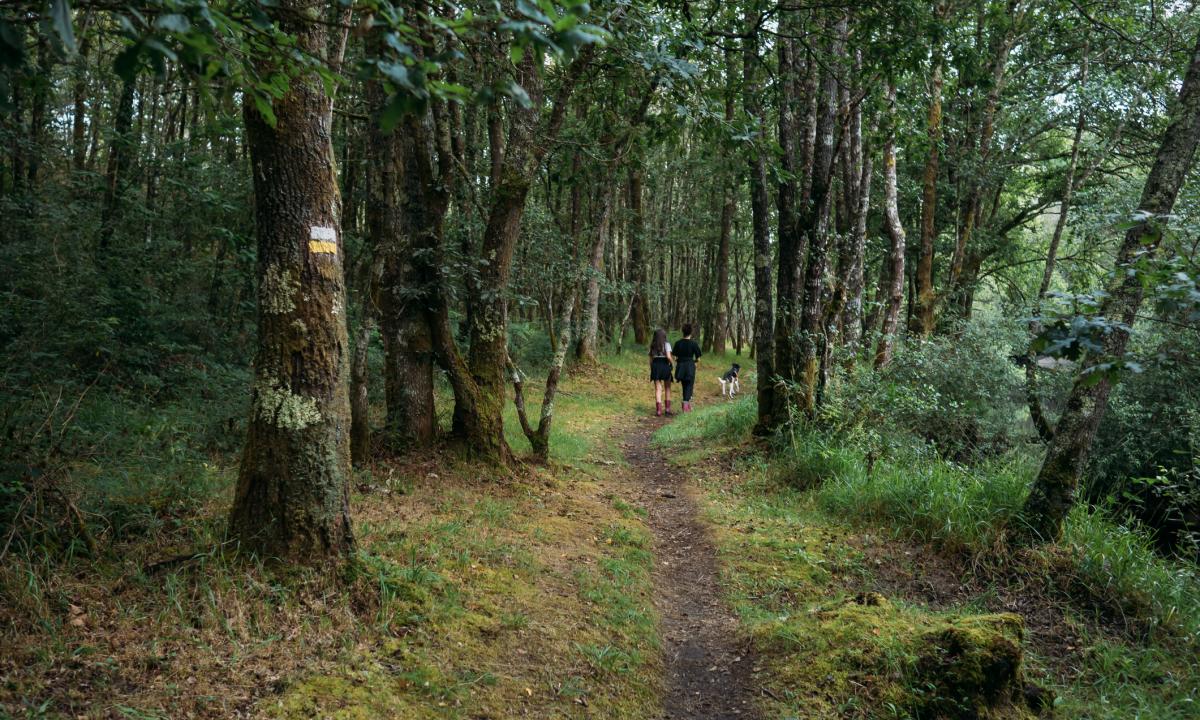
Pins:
<point x="328" y="332"/>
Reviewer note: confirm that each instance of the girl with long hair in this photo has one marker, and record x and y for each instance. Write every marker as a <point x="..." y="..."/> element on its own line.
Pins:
<point x="660" y="371"/>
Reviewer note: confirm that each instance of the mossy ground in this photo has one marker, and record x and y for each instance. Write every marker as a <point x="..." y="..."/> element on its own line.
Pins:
<point x="797" y="569"/>
<point x="471" y="595"/>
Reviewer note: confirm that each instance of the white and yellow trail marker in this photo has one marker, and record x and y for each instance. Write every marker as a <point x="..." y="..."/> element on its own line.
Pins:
<point x="322" y="240"/>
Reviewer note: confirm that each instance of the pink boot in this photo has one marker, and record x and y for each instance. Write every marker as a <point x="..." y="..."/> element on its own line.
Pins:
<point x="658" y="409"/>
<point x="668" y="407"/>
<point x="687" y="406"/>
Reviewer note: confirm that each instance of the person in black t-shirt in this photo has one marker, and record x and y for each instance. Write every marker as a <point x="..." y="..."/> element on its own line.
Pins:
<point x="686" y="352"/>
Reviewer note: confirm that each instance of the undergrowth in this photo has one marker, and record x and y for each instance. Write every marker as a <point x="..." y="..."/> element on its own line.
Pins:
<point x="791" y="518"/>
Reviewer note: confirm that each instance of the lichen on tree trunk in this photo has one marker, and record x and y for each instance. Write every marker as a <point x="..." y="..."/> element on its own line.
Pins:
<point x="292" y="498"/>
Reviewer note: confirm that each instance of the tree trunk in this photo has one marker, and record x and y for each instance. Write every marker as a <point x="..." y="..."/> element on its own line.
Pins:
<point x="1053" y="492"/>
<point x="526" y="145"/>
<point x="788" y="285"/>
<point x="637" y="261"/>
<point x="360" y="416"/>
<point x="37" y="111"/>
<point x="587" y="350"/>
<point x="922" y="320"/>
<point x="895" y="231"/>
<point x="764" y="342"/>
<point x="975" y="183"/>
<point x="1036" y="413"/>
<point x="120" y="150"/>
<point x="812" y="337"/>
<point x="406" y="207"/>
<point x="849" y="300"/>
<point x="292" y="498"/>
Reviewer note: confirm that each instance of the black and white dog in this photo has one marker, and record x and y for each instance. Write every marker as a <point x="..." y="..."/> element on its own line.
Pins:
<point x="730" y="385"/>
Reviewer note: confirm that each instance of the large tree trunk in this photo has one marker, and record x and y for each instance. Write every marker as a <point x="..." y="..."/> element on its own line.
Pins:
<point x="1053" y="492"/>
<point x="923" y="316"/>
<point x="788" y="287"/>
<point x="895" y="230"/>
<point x="406" y="208"/>
<point x="482" y="400"/>
<point x="813" y="336"/>
<point x="764" y="342"/>
<point x="292" y="498"/>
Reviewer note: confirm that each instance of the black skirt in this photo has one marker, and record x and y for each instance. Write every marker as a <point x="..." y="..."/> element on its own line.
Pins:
<point x="660" y="369"/>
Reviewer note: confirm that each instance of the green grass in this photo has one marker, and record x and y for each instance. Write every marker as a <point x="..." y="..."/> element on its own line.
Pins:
<point x="787" y="523"/>
<point x="467" y="597"/>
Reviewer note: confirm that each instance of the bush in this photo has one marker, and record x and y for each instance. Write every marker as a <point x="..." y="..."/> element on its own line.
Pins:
<point x="958" y="392"/>
<point x="1144" y="460"/>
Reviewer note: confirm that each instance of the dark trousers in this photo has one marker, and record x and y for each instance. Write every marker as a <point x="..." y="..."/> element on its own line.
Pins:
<point x="685" y="373"/>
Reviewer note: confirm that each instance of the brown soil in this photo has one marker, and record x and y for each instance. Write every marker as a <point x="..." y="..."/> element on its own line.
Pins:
<point x="707" y="661"/>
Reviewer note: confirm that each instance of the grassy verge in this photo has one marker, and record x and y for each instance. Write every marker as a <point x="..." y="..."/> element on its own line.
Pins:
<point x="471" y="596"/>
<point x="808" y="537"/>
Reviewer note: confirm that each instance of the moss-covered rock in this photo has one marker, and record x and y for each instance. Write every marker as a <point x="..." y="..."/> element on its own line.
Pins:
<point x="969" y="668"/>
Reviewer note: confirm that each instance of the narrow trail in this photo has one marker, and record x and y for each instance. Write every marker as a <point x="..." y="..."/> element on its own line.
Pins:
<point x="707" y="664"/>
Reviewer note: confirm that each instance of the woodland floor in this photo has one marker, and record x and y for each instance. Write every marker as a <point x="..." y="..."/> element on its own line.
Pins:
<point x="654" y="570"/>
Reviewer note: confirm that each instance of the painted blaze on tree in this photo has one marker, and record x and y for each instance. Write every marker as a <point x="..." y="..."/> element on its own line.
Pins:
<point x="292" y="493"/>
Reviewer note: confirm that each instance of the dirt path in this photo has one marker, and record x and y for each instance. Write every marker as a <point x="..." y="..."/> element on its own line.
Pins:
<point x="708" y="666"/>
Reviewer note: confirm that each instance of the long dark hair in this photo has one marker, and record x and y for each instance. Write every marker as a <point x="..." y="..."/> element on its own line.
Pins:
<point x="658" y="346"/>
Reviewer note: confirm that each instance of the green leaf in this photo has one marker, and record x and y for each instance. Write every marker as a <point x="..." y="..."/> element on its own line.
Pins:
<point x="126" y="63"/>
<point x="60" y="12"/>
<point x="516" y="92"/>
<point x="516" y="53"/>
<point x="264" y="108"/>
<point x="173" y="22"/>
<point x="400" y="104"/>
<point x="12" y="49"/>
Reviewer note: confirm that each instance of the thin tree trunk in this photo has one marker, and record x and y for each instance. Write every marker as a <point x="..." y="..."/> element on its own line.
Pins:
<point x="922" y="319"/>
<point x="849" y="302"/>
<point x="37" y="111"/>
<point x="120" y="149"/>
<point x="1053" y="492"/>
<point x="637" y="261"/>
<point x="975" y="184"/>
<point x="788" y="286"/>
<point x="292" y="498"/>
<point x="1036" y="413"/>
<point x="360" y="417"/>
<point x="587" y="350"/>
<point x="764" y="343"/>
<point x="895" y="231"/>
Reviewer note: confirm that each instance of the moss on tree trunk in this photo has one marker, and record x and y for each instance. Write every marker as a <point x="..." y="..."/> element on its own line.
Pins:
<point x="292" y="498"/>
